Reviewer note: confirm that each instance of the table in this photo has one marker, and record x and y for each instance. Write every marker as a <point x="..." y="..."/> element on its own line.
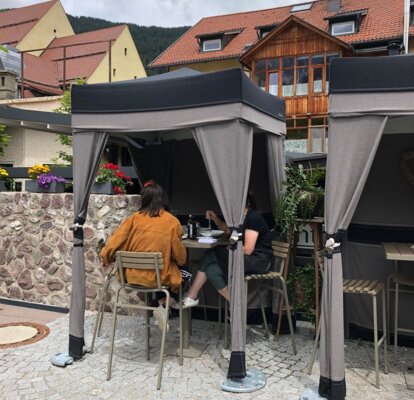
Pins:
<point x="195" y="349"/>
<point x="401" y="252"/>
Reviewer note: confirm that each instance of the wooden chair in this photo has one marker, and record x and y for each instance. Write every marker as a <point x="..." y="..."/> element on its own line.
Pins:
<point x="138" y="260"/>
<point x="372" y="288"/>
<point x="280" y="251"/>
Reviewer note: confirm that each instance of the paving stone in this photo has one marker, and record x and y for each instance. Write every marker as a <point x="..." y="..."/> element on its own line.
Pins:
<point x="26" y="372"/>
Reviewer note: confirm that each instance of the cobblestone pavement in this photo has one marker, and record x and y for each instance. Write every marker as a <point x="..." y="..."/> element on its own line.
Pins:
<point x="26" y="372"/>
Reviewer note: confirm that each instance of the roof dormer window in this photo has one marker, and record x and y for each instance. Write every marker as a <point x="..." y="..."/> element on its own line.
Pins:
<point x="263" y="30"/>
<point x="343" y="28"/>
<point x="301" y="7"/>
<point x="212" y="44"/>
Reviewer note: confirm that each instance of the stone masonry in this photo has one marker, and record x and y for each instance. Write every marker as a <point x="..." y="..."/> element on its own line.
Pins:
<point x="36" y="244"/>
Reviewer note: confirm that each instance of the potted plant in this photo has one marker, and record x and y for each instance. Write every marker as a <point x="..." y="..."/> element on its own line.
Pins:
<point x="301" y="287"/>
<point x="111" y="180"/>
<point x="303" y="198"/>
<point x="42" y="181"/>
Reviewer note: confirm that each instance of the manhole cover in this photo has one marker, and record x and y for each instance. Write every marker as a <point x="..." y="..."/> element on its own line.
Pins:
<point x="17" y="334"/>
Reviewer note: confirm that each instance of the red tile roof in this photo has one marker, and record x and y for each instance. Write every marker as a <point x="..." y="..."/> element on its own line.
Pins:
<point x="81" y="59"/>
<point x="16" y="23"/>
<point x="40" y="75"/>
<point x="384" y="20"/>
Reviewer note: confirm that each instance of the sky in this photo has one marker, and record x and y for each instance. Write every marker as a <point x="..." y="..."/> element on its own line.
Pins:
<point x="166" y="13"/>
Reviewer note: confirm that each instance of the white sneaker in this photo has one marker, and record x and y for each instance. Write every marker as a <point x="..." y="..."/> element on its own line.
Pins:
<point x="160" y="316"/>
<point x="189" y="302"/>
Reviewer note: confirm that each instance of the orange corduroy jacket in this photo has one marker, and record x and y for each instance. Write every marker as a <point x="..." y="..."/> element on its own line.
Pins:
<point x="140" y="232"/>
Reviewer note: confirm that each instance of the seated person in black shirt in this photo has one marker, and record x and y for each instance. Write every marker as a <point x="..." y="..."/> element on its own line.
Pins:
<point x="257" y="249"/>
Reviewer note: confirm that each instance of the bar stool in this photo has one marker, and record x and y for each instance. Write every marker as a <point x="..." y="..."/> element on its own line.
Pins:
<point x="374" y="289"/>
<point x="398" y="279"/>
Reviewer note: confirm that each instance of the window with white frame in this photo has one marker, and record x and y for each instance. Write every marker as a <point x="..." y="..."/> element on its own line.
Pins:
<point x="212" y="45"/>
<point x="343" y="28"/>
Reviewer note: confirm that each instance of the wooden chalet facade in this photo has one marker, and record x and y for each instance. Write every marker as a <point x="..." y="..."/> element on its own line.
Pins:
<point x="292" y="62"/>
<point x="287" y="51"/>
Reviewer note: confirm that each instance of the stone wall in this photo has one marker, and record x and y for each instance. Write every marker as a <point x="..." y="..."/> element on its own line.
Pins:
<point x="36" y="244"/>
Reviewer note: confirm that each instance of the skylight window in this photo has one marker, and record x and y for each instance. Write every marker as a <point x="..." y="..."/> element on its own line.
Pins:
<point x="301" y="7"/>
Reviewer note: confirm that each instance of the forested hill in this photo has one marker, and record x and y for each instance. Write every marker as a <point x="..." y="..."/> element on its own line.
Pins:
<point x="149" y="40"/>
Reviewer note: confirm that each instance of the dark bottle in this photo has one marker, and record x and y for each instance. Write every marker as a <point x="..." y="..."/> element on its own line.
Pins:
<point x="192" y="227"/>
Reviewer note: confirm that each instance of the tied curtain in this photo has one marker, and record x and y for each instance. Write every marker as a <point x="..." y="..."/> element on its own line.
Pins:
<point x="353" y="143"/>
<point x="87" y="151"/>
<point x="226" y="149"/>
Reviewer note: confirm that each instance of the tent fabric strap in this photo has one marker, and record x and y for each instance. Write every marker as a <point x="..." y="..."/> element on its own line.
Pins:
<point x="236" y="234"/>
<point x="237" y="366"/>
<point x="77" y="229"/>
<point x="76" y="345"/>
<point x="336" y="239"/>
<point x="335" y="390"/>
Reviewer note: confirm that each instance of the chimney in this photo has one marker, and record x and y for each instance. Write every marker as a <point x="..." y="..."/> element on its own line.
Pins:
<point x="394" y="49"/>
<point x="334" y="5"/>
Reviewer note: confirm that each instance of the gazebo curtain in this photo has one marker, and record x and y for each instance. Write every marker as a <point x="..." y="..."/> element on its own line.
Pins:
<point x="226" y="149"/>
<point x="352" y="147"/>
<point x="276" y="165"/>
<point x="87" y="151"/>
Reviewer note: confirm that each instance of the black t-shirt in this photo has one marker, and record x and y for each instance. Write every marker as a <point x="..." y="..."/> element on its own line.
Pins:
<point x="255" y="222"/>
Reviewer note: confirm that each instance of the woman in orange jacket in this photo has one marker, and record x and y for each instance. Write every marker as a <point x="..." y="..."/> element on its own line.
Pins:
<point x="152" y="229"/>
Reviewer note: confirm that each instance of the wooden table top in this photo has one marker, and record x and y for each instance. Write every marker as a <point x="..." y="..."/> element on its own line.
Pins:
<point x="399" y="251"/>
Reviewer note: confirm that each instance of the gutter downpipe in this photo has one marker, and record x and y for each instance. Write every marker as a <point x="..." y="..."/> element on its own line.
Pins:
<point x="407" y="4"/>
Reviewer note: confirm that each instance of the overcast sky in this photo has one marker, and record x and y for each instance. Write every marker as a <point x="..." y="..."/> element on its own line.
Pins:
<point x="156" y="12"/>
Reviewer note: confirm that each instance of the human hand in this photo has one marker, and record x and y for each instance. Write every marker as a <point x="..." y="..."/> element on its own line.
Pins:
<point x="211" y="215"/>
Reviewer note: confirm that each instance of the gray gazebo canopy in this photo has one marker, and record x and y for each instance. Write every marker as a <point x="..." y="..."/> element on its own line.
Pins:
<point x="221" y="111"/>
<point x="371" y="130"/>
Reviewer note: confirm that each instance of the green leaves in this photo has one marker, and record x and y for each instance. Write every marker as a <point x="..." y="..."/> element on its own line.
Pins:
<point x="4" y="140"/>
<point x="302" y="198"/>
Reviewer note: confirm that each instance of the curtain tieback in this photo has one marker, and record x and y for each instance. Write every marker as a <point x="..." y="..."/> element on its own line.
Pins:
<point x="76" y="226"/>
<point x="77" y="229"/>
<point x="236" y="234"/>
<point x="331" y="245"/>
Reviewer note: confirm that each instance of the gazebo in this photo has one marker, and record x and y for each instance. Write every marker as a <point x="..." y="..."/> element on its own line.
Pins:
<point x="221" y="112"/>
<point x="369" y="193"/>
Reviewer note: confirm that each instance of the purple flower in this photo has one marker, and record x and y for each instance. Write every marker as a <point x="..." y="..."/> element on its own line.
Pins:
<point x="44" y="180"/>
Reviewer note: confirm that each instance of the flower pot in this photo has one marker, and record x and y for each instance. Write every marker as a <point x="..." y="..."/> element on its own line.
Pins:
<point x="34" y="187"/>
<point x="102" y="188"/>
<point x="2" y="186"/>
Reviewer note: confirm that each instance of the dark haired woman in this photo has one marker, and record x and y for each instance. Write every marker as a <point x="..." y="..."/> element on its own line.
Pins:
<point x="151" y="229"/>
<point x="257" y="249"/>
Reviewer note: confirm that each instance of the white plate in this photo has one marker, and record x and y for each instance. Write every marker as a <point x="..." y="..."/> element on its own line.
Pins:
<point x="212" y="233"/>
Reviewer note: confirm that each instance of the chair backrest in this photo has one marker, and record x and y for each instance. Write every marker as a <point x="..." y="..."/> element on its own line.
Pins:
<point x="280" y="250"/>
<point x="321" y="262"/>
<point x="139" y="260"/>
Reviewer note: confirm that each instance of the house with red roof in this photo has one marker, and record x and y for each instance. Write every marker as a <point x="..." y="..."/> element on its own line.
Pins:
<point x="53" y="56"/>
<point x="287" y="52"/>
<point x="44" y="57"/>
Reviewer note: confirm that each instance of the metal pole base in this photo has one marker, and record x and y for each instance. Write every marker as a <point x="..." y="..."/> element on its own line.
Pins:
<point x="254" y="380"/>
<point x="311" y="393"/>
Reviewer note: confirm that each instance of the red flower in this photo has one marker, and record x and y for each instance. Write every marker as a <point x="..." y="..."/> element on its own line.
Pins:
<point x="110" y="166"/>
<point x="118" y="190"/>
<point x="120" y="174"/>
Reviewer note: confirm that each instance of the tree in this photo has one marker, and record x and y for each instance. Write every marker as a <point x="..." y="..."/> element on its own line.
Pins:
<point x="4" y="140"/>
<point x="65" y="107"/>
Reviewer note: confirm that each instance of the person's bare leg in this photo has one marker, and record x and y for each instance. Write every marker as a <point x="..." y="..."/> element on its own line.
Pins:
<point x="199" y="281"/>
<point x="225" y="293"/>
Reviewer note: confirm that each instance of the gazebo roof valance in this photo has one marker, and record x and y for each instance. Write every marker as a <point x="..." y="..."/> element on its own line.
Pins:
<point x="174" y="92"/>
